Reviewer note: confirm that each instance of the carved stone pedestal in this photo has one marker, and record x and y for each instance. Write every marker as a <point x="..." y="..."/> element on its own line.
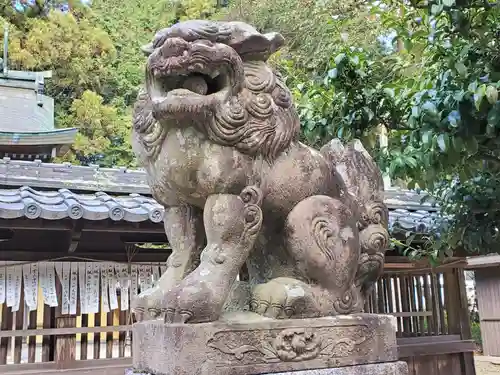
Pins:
<point x="341" y="345"/>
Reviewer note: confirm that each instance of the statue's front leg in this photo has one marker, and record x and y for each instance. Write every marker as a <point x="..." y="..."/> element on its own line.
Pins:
<point x="186" y="235"/>
<point x="232" y="224"/>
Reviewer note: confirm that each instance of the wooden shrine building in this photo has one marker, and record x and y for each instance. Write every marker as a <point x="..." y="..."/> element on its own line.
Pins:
<point x="90" y="217"/>
<point x="27" y="129"/>
<point x="78" y="242"/>
<point x="487" y="279"/>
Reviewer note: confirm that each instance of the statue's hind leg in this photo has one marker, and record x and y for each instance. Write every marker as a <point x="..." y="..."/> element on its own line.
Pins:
<point x="321" y="235"/>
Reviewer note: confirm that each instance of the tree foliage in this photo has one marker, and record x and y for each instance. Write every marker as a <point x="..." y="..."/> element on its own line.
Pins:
<point x="103" y="132"/>
<point x="428" y="74"/>
<point x="314" y="30"/>
<point x="435" y="89"/>
<point x="453" y="118"/>
<point x="94" y="53"/>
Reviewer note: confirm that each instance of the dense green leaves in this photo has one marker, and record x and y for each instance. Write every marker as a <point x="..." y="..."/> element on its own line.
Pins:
<point x="426" y="74"/>
<point x="455" y="119"/>
<point x="433" y="87"/>
<point x="315" y="31"/>
<point x="96" y="60"/>
<point x="103" y="133"/>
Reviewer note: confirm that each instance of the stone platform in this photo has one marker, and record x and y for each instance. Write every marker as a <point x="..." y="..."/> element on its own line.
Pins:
<point x="391" y="368"/>
<point x="323" y="346"/>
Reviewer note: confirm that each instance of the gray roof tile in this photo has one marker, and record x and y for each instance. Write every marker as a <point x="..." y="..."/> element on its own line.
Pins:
<point x="63" y="203"/>
<point x="402" y="220"/>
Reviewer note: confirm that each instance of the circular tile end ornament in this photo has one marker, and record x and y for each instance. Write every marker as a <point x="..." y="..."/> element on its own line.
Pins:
<point x="156" y="215"/>
<point x="116" y="214"/>
<point x="32" y="211"/>
<point x="75" y="211"/>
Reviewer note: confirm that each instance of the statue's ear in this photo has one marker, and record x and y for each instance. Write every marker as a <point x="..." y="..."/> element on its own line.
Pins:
<point x="147" y="49"/>
<point x="249" y="43"/>
<point x="276" y="41"/>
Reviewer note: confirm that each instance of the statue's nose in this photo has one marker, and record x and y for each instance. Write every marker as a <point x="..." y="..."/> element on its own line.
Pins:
<point x="173" y="47"/>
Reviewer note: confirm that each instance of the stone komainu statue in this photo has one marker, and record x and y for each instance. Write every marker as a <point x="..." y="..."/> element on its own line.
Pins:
<point x="217" y="132"/>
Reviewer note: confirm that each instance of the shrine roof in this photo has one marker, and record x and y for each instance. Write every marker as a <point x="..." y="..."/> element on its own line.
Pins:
<point x="57" y="204"/>
<point x="27" y="116"/>
<point x="38" y="175"/>
<point x="26" y="202"/>
<point x="38" y="138"/>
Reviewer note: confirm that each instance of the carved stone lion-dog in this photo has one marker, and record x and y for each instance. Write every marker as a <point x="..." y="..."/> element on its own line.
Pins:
<point x="217" y="132"/>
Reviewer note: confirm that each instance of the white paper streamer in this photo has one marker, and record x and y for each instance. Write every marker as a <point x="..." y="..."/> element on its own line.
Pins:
<point x="14" y="283"/>
<point x="145" y="277"/>
<point x="18" y="286"/>
<point x="104" y="287"/>
<point x="156" y="273"/>
<point x="34" y="283"/>
<point x="141" y="271"/>
<point x="94" y="288"/>
<point x="63" y="272"/>
<point x="124" y="279"/>
<point x="2" y="284"/>
<point x="50" y="295"/>
<point x="133" y="281"/>
<point x="163" y="268"/>
<point x="10" y="286"/>
<point x="30" y="278"/>
<point x="73" y="291"/>
<point x="113" y="299"/>
<point x="28" y="297"/>
<point x="88" y="286"/>
<point x="82" y="278"/>
<point x="123" y="276"/>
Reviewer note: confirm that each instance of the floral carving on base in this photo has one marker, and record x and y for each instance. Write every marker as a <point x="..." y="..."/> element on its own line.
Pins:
<point x="291" y="345"/>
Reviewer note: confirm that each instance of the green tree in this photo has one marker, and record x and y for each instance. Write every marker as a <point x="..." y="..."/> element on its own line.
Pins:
<point x="130" y="25"/>
<point x="436" y="90"/>
<point x="314" y="30"/>
<point x="103" y="132"/>
<point x="451" y="118"/>
<point x="66" y="43"/>
<point x="96" y="60"/>
<point x="78" y="52"/>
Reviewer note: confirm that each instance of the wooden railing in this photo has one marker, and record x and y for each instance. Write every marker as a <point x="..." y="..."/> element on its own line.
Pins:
<point x="63" y="339"/>
<point x="417" y="301"/>
<point x="431" y="309"/>
<point x="433" y="331"/>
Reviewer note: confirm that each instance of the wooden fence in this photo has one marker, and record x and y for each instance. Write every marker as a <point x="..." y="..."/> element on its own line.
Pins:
<point x="432" y="318"/>
<point x="431" y="311"/>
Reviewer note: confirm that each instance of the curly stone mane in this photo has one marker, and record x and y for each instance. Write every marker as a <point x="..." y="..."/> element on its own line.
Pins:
<point x="258" y="119"/>
<point x="261" y="120"/>
<point x="148" y="132"/>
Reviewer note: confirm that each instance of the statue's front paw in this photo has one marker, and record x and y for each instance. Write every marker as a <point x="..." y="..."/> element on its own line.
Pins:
<point x="147" y="305"/>
<point x="283" y="298"/>
<point x="192" y="301"/>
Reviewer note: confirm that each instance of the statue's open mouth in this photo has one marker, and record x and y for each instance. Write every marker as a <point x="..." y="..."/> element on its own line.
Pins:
<point x="192" y="75"/>
<point x="182" y="84"/>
